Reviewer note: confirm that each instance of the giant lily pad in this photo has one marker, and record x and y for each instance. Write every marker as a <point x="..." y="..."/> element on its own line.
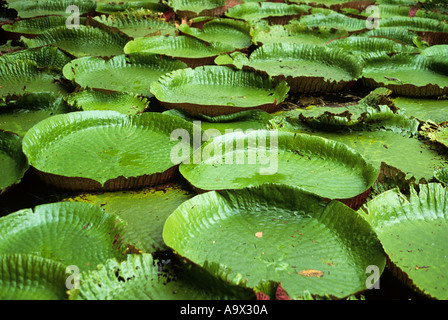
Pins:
<point x="275" y="233"/>
<point x="363" y="46"/>
<point x="35" y="8"/>
<point x="140" y="278"/>
<point x="32" y="27"/>
<point x="133" y="73"/>
<point x="82" y="41"/>
<point x="46" y="56"/>
<point x="274" y="12"/>
<point x="232" y="32"/>
<point x="324" y="167"/>
<point x="218" y="90"/>
<point x="413" y="232"/>
<point x="296" y="33"/>
<point x="407" y="74"/>
<point x="74" y="234"/>
<point x="334" y="20"/>
<point x="104" y="150"/>
<point x="29" y="277"/>
<point x="110" y="6"/>
<point x="21" y="77"/>
<point x="190" y="50"/>
<point x="20" y="114"/>
<point x="144" y="212"/>
<point x="126" y="103"/>
<point x="193" y="8"/>
<point x="244" y="120"/>
<point x="306" y="68"/>
<point x="138" y="23"/>
<point x="12" y="160"/>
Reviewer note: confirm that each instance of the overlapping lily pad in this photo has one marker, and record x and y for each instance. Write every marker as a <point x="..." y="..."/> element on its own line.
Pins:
<point x="26" y="76"/>
<point x="110" y="6"/>
<point x="140" y="278"/>
<point x="71" y="233"/>
<point x="126" y="103"/>
<point x="128" y="73"/>
<point x="413" y="232"/>
<point x="32" y="27"/>
<point x="46" y="56"/>
<point x="35" y="8"/>
<point x="407" y="74"/>
<point x="363" y="46"/>
<point x="29" y="277"/>
<point x="262" y="156"/>
<point x="104" y="150"/>
<point x="232" y="32"/>
<point x="12" y="160"/>
<point x="274" y="12"/>
<point x="204" y="8"/>
<point x="20" y="114"/>
<point x="218" y="90"/>
<point x="275" y="233"/>
<point x="138" y="23"/>
<point x="190" y="50"/>
<point x="82" y="41"/>
<point x="144" y="212"/>
<point x="306" y="68"/>
<point x="296" y="33"/>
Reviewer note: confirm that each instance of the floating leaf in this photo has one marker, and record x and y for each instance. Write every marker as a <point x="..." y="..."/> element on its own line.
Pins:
<point x="300" y="232"/>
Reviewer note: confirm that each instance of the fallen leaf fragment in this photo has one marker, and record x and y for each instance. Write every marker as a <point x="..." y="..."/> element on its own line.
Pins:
<point x="311" y="273"/>
<point x="259" y="234"/>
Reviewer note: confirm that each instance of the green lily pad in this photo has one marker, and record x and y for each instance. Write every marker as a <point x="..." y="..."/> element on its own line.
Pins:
<point x="224" y="90"/>
<point x="140" y="278"/>
<point x="334" y="20"/>
<point x="21" y="77"/>
<point x="306" y="68"/>
<point x="104" y="150"/>
<point x="110" y="6"/>
<point x="127" y="73"/>
<point x="37" y="8"/>
<point x="262" y="156"/>
<point x="37" y="25"/>
<point x="363" y="46"/>
<point x="12" y="160"/>
<point x="409" y="154"/>
<point x="192" y="51"/>
<point x="228" y="31"/>
<point x="423" y="109"/>
<point x="46" y="56"/>
<point x="126" y="103"/>
<point x="401" y="35"/>
<point x="274" y="12"/>
<point x="82" y="41"/>
<point x="243" y="120"/>
<point x="71" y="233"/>
<point x="275" y="233"/>
<point x="29" y="277"/>
<point x="407" y="74"/>
<point x="413" y="232"/>
<point x="144" y="212"/>
<point x="21" y="114"/>
<point x="202" y="8"/>
<point x="295" y="33"/>
<point x="138" y="23"/>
